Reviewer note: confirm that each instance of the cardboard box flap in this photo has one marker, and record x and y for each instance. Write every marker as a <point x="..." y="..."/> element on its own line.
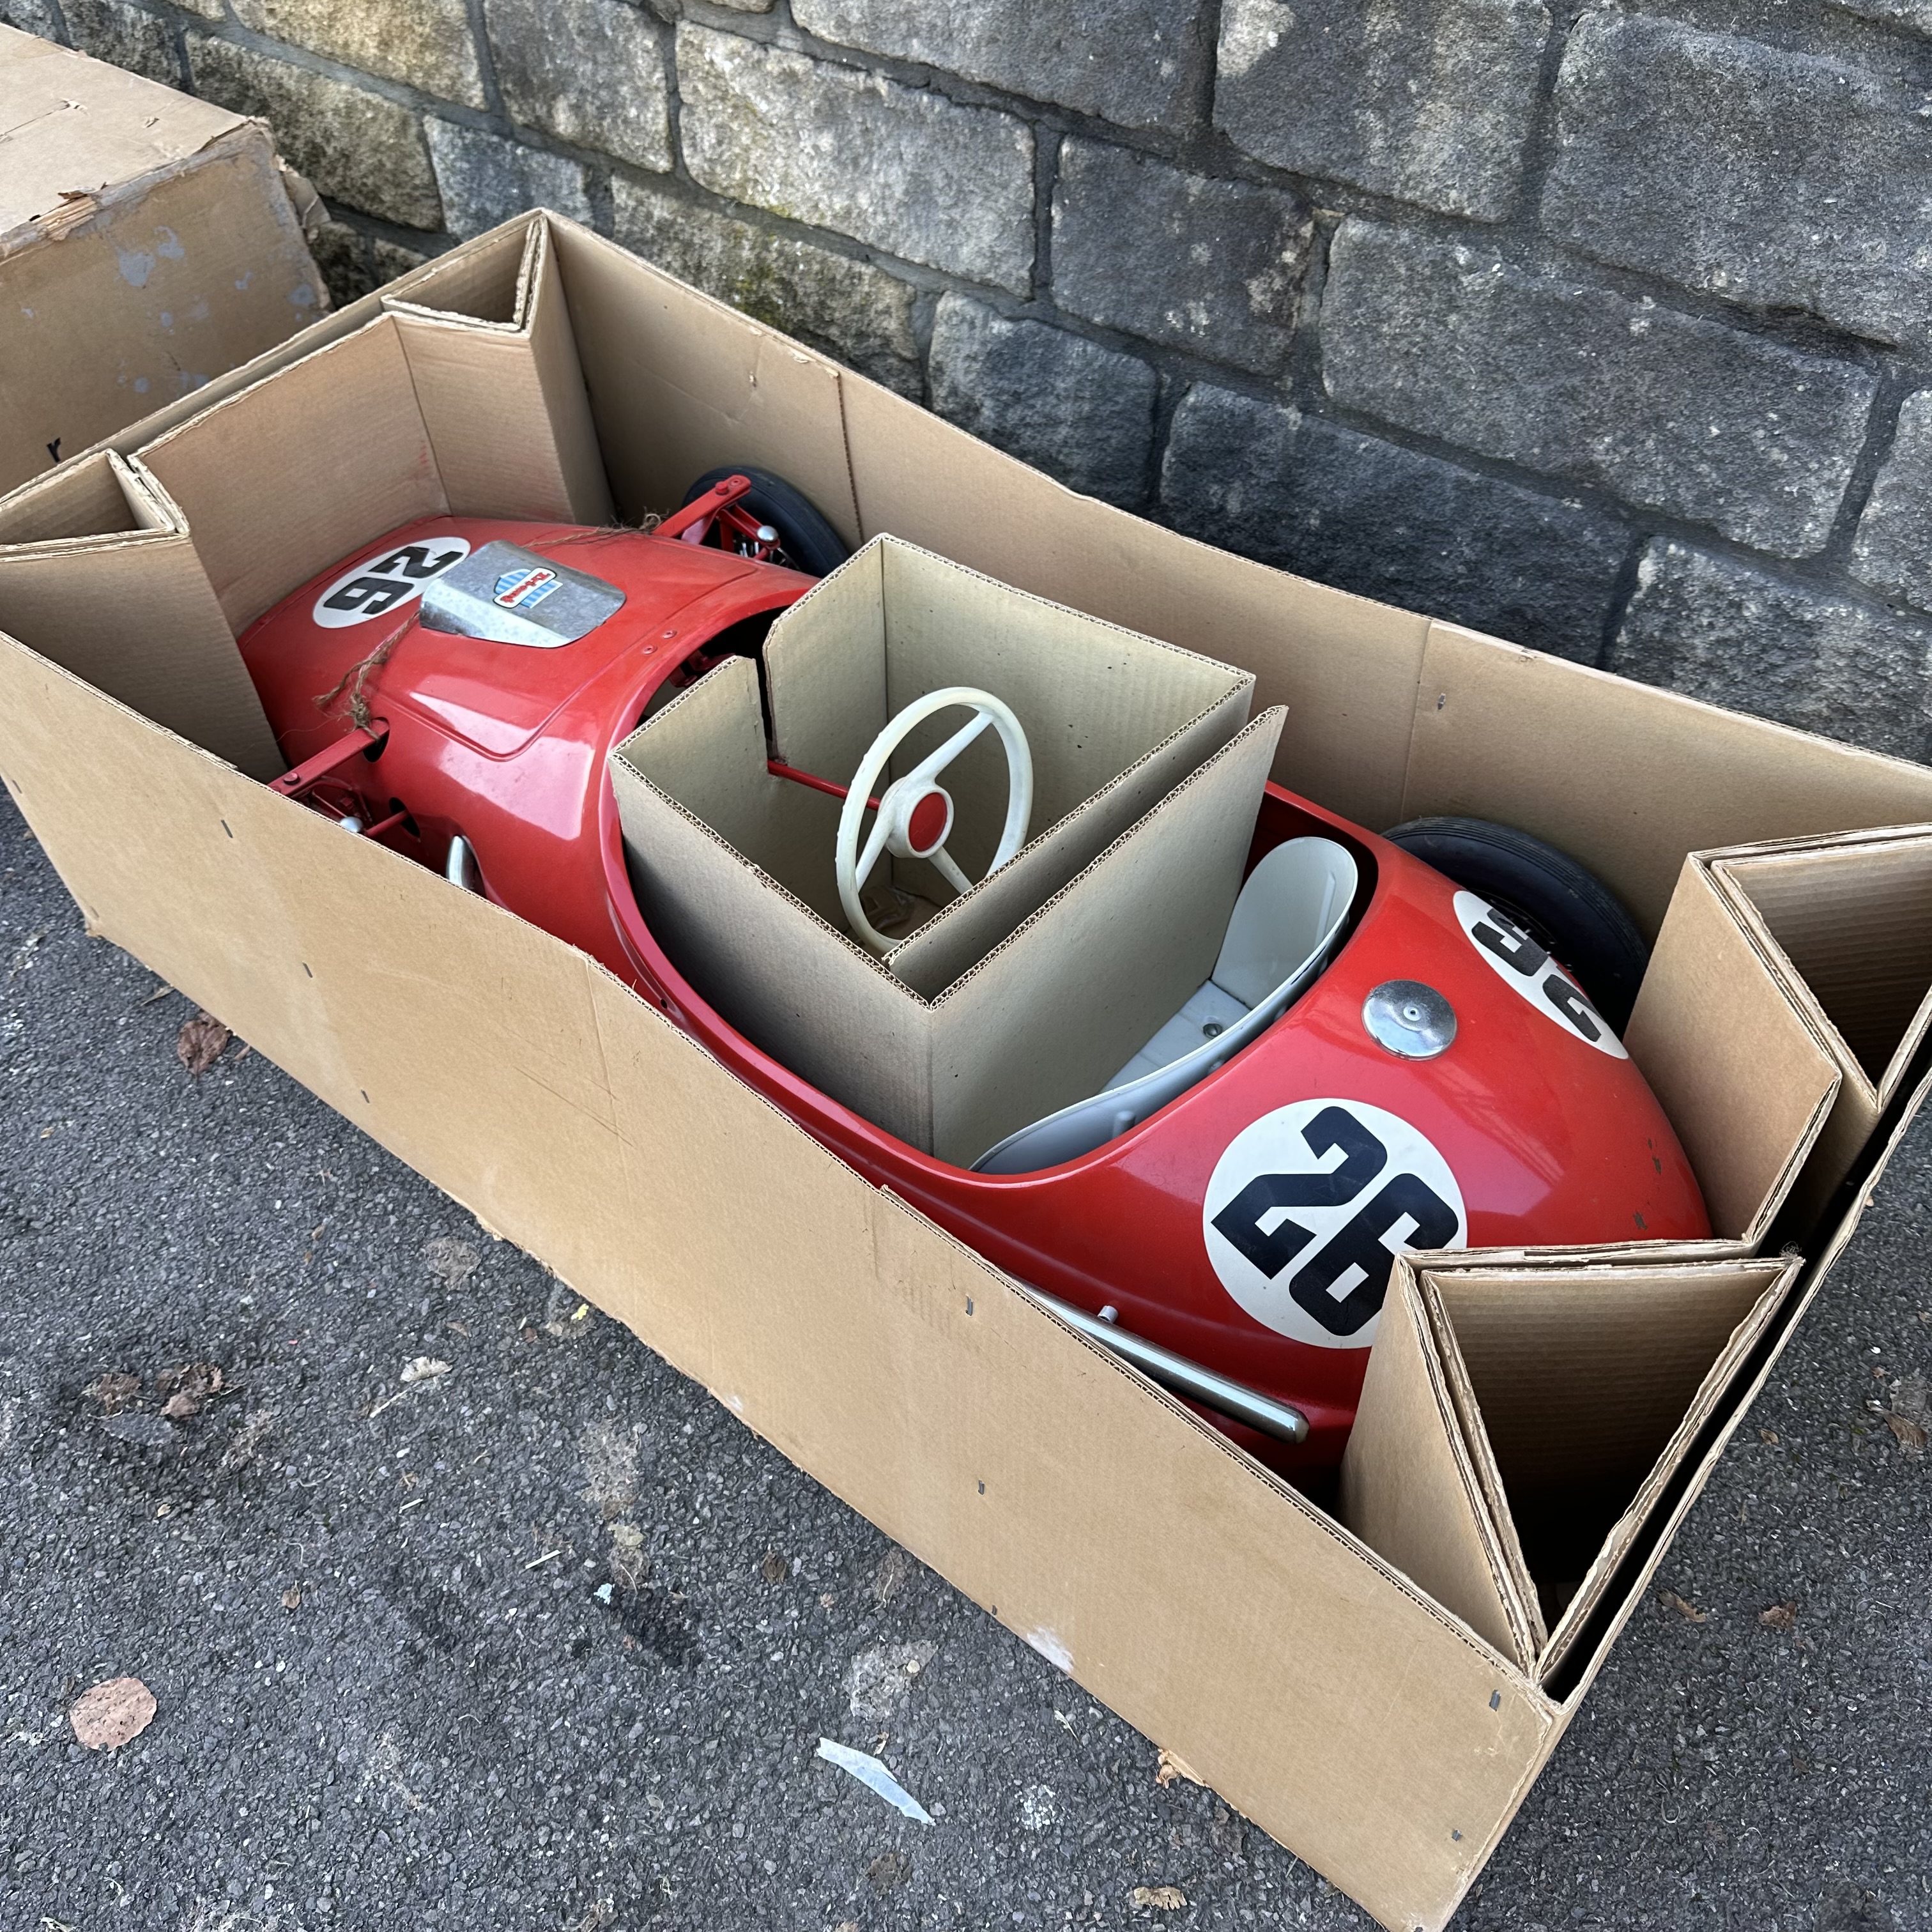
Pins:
<point x="680" y="383"/>
<point x="1580" y="1391"/>
<point x="1410" y="1492"/>
<point x="490" y="284"/>
<point x="412" y="416"/>
<point x="1743" y="1074"/>
<point x="505" y="410"/>
<point x="1579" y="1616"/>
<point x="263" y="523"/>
<point x="1852" y="915"/>
<point x="98" y="573"/>
<point x="77" y="124"/>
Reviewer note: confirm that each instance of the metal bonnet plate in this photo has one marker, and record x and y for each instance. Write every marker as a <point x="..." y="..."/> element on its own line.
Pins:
<point x="507" y="595"/>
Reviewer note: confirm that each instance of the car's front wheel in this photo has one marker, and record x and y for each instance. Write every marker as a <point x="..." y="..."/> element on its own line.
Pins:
<point x="1564" y="906"/>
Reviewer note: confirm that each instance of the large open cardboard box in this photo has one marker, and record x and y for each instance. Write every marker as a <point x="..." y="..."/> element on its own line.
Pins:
<point x="148" y="241"/>
<point x="1385" y="1736"/>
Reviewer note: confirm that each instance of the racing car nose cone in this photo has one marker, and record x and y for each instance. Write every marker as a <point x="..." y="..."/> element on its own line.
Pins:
<point x="1412" y="1020"/>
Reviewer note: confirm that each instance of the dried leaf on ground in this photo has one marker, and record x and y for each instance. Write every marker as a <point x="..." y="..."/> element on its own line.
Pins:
<point x="887" y="1870"/>
<point x="451" y="1259"/>
<point x="1171" y="1767"/>
<point x="774" y="1568"/>
<point x="114" y="1391"/>
<point x="1911" y="1413"/>
<point x="1910" y="1435"/>
<point x="198" y="1044"/>
<point x="1780" y="1616"/>
<point x="1767" y="1435"/>
<point x="107" y="1716"/>
<point x="424" y="1368"/>
<point x="1689" y="1612"/>
<point x="246" y="1440"/>
<point x="1159" y="1897"/>
<point x="188" y="1388"/>
<point x="292" y="1598"/>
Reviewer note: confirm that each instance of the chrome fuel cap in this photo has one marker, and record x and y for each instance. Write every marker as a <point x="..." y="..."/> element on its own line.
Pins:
<point x="1410" y="1020"/>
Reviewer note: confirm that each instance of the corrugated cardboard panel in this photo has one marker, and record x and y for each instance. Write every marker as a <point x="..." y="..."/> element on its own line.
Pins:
<point x="1742" y="1074"/>
<point x="1112" y="722"/>
<point x="1410" y="1491"/>
<point x="679" y="384"/>
<point x="1043" y="1020"/>
<point x="1345" y="668"/>
<point x="130" y="609"/>
<point x="262" y="523"/>
<point x="1172" y="1577"/>
<point x="1094" y="973"/>
<point x="1846" y="923"/>
<point x="509" y="423"/>
<point x="73" y="123"/>
<point x="147" y="243"/>
<point x="1624" y="777"/>
<point x="487" y="280"/>
<point x="1854" y="917"/>
<point x="1547" y="1412"/>
<point x="783" y="975"/>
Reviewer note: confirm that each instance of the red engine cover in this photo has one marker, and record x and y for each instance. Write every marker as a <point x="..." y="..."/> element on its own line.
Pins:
<point x="1246" y="1226"/>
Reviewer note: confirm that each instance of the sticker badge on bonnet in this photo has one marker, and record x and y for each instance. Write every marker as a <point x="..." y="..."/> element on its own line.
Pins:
<point x="523" y="589"/>
<point x="1309" y="1205"/>
<point x="385" y="582"/>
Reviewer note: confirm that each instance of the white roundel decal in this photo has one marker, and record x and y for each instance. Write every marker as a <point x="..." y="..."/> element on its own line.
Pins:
<point x="1307" y="1206"/>
<point x="1520" y="962"/>
<point x="386" y="583"/>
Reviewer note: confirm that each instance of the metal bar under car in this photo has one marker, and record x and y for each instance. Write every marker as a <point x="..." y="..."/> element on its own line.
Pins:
<point x="1233" y="1400"/>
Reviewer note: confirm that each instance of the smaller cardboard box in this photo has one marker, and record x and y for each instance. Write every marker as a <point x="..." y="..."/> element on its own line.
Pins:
<point x="148" y="244"/>
<point x="1025" y="992"/>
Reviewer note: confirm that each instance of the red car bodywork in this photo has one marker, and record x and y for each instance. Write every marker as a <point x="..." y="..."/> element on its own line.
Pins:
<point x="1549" y="1139"/>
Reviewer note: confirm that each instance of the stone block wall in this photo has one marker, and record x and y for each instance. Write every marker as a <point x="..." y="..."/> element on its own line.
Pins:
<point x="1606" y="328"/>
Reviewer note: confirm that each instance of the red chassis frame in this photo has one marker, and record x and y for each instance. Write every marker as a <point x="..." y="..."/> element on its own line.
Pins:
<point x="1550" y="1139"/>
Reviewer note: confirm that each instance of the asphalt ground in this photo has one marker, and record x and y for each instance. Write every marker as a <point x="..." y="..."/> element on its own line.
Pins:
<point x="536" y="1635"/>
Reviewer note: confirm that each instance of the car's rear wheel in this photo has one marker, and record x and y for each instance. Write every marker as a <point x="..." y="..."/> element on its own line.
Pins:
<point x="1564" y="906"/>
<point x="807" y="540"/>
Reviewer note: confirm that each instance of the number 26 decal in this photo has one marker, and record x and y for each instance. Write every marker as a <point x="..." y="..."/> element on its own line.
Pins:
<point x="376" y="587"/>
<point x="1309" y="1204"/>
<point x="1520" y="962"/>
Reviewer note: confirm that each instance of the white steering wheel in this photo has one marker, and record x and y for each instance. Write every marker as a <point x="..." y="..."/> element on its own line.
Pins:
<point x="915" y="814"/>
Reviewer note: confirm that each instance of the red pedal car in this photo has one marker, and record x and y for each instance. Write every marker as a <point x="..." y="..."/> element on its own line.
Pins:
<point x="1386" y="1054"/>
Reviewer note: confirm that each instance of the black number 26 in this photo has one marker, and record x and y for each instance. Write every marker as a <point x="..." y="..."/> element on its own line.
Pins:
<point x="1358" y="1243"/>
<point x="389" y="579"/>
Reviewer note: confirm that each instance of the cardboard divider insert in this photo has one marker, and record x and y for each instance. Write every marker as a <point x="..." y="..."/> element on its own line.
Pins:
<point x="1518" y="1427"/>
<point x="1043" y="1020"/>
<point x="1845" y="924"/>
<point x="1743" y="1069"/>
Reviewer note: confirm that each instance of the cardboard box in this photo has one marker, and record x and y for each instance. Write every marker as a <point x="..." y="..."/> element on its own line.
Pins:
<point x="1023" y="994"/>
<point x="1378" y="1731"/>
<point x="148" y="242"/>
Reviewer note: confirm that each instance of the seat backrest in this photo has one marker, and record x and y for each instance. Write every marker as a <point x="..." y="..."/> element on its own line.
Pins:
<point x="1298" y="897"/>
<point x="1287" y="909"/>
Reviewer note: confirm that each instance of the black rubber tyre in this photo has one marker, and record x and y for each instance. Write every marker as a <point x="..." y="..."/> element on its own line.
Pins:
<point x="1566" y="908"/>
<point x="806" y="540"/>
